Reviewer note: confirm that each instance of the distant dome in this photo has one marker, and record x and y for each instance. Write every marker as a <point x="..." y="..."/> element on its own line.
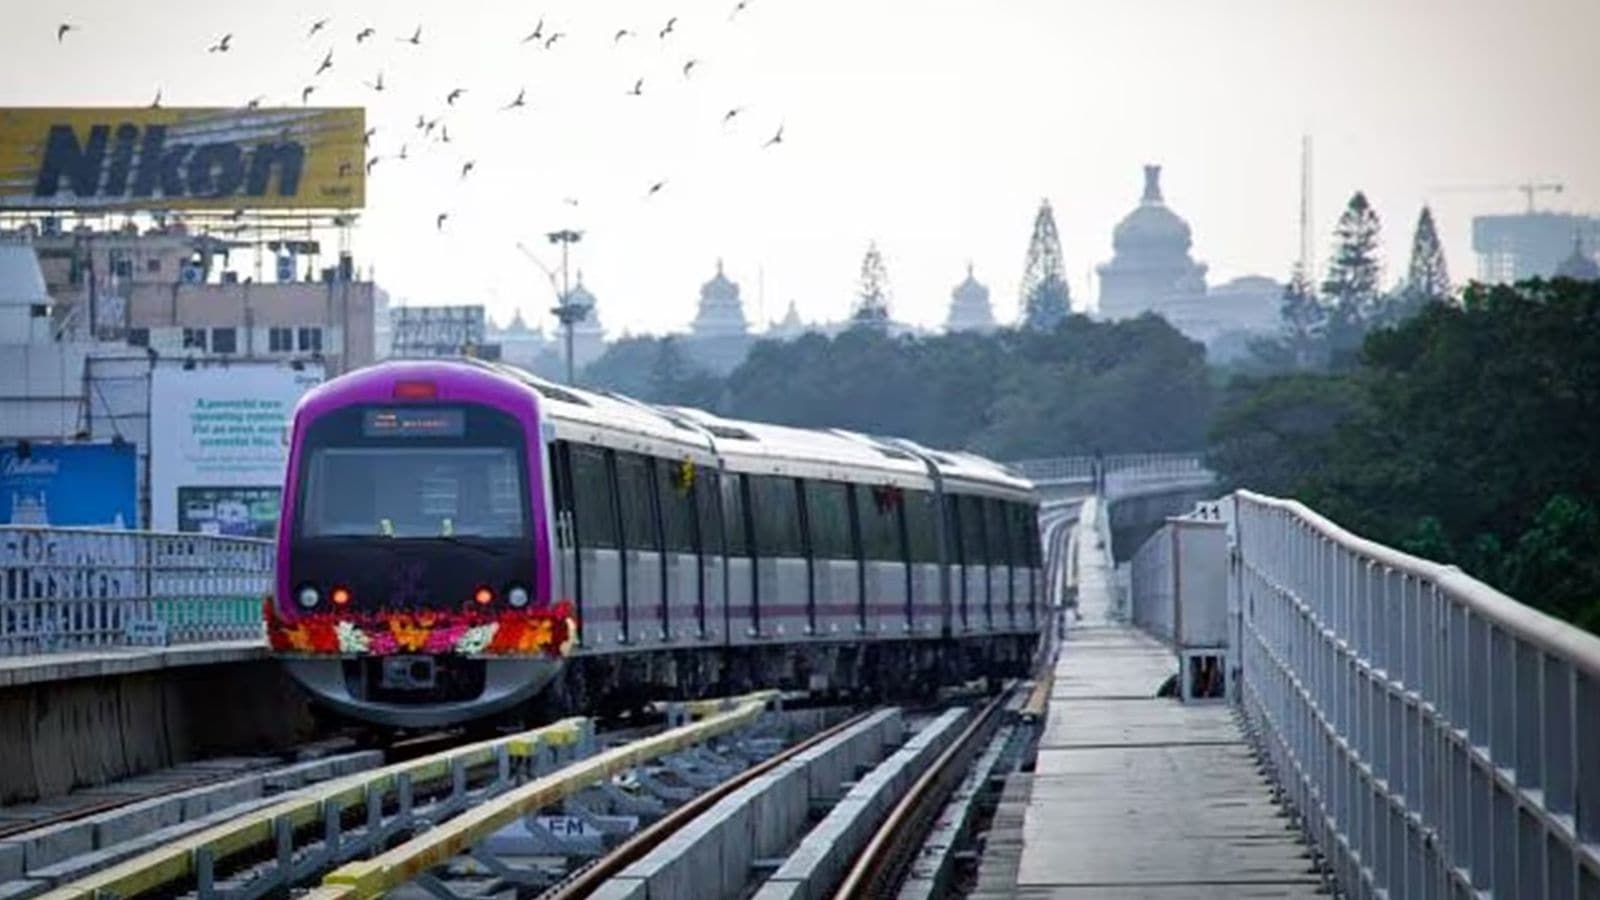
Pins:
<point x="1151" y="224"/>
<point x="721" y="312"/>
<point x="581" y="295"/>
<point x="969" y="306"/>
<point x="1580" y="266"/>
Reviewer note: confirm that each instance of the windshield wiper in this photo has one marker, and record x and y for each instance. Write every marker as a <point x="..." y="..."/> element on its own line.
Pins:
<point x="460" y="541"/>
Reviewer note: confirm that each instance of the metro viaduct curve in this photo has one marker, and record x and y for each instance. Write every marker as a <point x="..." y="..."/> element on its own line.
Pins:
<point x="105" y="710"/>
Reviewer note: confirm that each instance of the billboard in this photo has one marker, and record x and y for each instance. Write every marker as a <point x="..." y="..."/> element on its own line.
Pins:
<point x="88" y="485"/>
<point x="90" y="159"/>
<point x="436" y="330"/>
<point x="219" y="443"/>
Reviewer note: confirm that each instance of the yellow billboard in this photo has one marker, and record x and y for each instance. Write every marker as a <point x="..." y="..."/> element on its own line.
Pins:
<point x="87" y="159"/>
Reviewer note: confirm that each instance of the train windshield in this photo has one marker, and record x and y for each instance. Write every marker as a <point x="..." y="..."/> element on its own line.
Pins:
<point x="414" y="473"/>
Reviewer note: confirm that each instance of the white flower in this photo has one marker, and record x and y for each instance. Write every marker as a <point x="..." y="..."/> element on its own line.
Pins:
<point x="476" y="639"/>
<point x="351" y="638"/>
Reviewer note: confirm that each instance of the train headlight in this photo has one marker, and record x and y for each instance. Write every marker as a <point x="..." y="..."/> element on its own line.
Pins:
<point x="340" y="596"/>
<point x="517" y="596"/>
<point x="308" y="596"/>
<point x="483" y="596"/>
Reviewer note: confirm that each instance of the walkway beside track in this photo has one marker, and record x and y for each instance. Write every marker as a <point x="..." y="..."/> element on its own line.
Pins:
<point x="1139" y="796"/>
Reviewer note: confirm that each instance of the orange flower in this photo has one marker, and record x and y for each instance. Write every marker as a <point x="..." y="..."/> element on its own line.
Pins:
<point x="407" y="635"/>
<point x="298" y="638"/>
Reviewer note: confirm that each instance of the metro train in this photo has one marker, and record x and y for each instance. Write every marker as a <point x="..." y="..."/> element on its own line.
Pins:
<point x="460" y="539"/>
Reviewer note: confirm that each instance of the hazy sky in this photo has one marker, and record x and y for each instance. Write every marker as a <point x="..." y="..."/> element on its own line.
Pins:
<point x="932" y="126"/>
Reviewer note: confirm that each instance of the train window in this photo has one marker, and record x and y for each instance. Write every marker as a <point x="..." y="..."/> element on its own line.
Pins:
<point x="828" y="514"/>
<point x="1035" y="543"/>
<point x="591" y="488"/>
<point x="922" y="527"/>
<point x="878" y="507"/>
<point x="675" y="486"/>
<point x="638" y="513"/>
<point x="994" y="527"/>
<point x="733" y="503"/>
<point x="972" y="531"/>
<point x="1017" y="534"/>
<point x="775" y="508"/>
<point x="706" y="493"/>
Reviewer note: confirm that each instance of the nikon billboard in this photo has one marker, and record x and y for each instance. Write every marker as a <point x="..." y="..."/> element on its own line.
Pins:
<point x="182" y="158"/>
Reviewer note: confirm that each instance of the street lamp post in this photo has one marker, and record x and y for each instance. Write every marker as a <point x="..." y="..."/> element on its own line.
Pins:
<point x="569" y="314"/>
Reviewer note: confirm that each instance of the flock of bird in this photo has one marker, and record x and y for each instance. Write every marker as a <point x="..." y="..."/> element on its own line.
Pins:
<point x="432" y="128"/>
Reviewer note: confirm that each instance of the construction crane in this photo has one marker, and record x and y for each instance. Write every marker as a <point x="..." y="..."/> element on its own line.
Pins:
<point x="1528" y="189"/>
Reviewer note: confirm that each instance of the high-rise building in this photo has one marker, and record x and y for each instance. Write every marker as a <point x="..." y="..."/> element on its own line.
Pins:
<point x="1581" y="265"/>
<point x="1528" y="245"/>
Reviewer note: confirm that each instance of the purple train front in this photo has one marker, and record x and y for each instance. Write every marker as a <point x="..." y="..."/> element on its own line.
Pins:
<point x="414" y="555"/>
<point x="458" y="536"/>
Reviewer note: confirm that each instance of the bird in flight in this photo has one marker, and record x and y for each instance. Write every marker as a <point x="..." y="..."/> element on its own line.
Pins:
<point x="551" y="40"/>
<point x="638" y="89"/>
<point x="522" y="100"/>
<point x="375" y="85"/>
<point x="372" y="162"/>
<point x="728" y="116"/>
<point x="327" y="63"/>
<point x="689" y="67"/>
<point x="317" y="26"/>
<point x="776" y="139"/>
<point x="454" y="95"/>
<point x="402" y="151"/>
<point x="366" y="139"/>
<point x="467" y="167"/>
<point x="536" y="34"/>
<point x="415" y="39"/>
<point x="254" y="103"/>
<point x="221" y="46"/>
<point x="621" y="33"/>
<point x="444" y="134"/>
<point x="738" y="9"/>
<point x="306" y="92"/>
<point x="438" y="221"/>
<point x="669" y="26"/>
<point x="62" y="29"/>
<point x="654" y="189"/>
<point x="365" y="33"/>
<point x="156" y="103"/>
<point x="429" y="126"/>
<point x="570" y="201"/>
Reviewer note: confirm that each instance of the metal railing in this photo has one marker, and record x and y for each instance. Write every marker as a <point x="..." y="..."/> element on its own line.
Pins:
<point x="1435" y="737"/>
<point x="65" y="589"/>
<point x="1083" y="468"/>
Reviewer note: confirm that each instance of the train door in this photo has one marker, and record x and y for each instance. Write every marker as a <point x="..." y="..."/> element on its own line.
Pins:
<point x="711" y="596"/>
<point x="922" y="541"/>
<point x="597" y="577"/>
<point x="976" y="546"/>
<point x="994" y="531"/>
<point x="781" y="579"/>
<point x="743" y="611"/>
<point x="641" y="543"/>
<point x="883" y="549"/>
<point x="680" y="562"/>
<point x="835" y="569"/>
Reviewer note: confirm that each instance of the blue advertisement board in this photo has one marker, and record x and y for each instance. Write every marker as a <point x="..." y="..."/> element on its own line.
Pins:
<point x="93" y="485"/>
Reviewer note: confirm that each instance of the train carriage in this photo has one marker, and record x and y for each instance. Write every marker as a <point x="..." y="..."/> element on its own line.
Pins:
<point x="458" y="536"/>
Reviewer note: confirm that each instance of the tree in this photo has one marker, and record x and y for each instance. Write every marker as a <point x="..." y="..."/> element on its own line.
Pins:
<point x="872" y="295"/>
<point x="1305" y="321"/>
<point x="1352" y="287"/>
<point x="1427" y="278"/>
<point x="1045" y="297"/>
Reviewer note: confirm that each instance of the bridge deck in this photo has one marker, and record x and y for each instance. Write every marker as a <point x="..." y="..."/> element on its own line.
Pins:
<point x="1139" y="796"/>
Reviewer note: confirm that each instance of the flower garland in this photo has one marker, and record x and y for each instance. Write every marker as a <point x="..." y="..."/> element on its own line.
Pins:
<point x="469" y="632"/>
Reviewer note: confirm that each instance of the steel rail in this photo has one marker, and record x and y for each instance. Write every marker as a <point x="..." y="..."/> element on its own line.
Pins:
<point x="880" y="862"/>
<point x="159" y="868"/>
<point x="589" y="879"/>
<point x="374" y="877"/>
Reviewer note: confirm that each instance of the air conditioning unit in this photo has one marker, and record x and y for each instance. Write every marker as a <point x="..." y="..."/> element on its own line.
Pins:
<point x="193" y="273"/>
<point x="51" y="226"/>
<point x="285" y="268"/>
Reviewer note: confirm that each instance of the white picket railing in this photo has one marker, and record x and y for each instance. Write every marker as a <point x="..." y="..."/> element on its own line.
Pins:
<point x="65" y="589"/>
